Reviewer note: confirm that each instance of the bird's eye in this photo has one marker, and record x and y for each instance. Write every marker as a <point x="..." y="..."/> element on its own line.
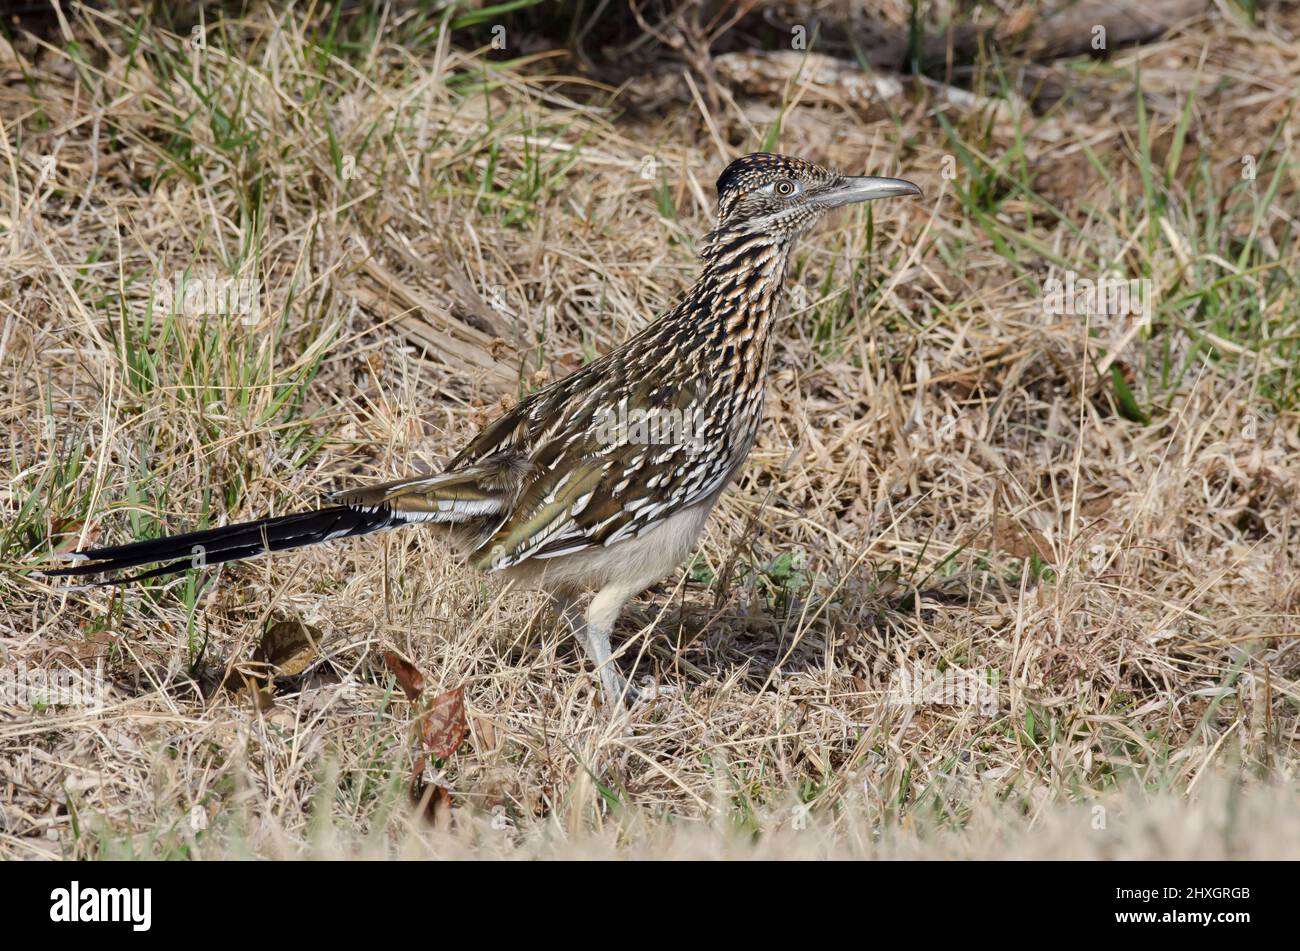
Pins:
<point x="785" y="188"/>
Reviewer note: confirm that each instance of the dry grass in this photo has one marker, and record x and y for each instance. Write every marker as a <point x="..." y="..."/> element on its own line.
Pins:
<point x="947" y="479"/>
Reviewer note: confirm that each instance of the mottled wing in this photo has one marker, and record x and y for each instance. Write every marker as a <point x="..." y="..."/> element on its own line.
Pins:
<point x="621" y="460"/>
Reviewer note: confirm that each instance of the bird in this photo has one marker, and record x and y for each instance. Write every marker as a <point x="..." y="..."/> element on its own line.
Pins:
<point x="601" y="482"/>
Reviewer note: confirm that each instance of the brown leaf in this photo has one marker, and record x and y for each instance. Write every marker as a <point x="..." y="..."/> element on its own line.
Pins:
<point x="443" y="727"/>
<point x="289" y="647"/>
<point x="1014" y="539"/>
<point x="408" y="677"/>
<point x="261" y="694"/>
<point x="570" y="362"/>
<point x="1096" y="506"/>
<point x="70" y="527"/>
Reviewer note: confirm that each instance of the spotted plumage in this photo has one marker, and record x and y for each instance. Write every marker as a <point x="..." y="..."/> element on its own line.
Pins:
<point x="604" y="479"/>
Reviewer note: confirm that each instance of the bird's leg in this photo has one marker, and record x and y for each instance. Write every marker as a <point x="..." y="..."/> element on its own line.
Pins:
<point x="592" y="633"/>
<point x="601" y="615"/>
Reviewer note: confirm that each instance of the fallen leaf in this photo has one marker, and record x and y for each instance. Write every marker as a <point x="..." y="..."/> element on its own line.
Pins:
<point x="1014" y="539"/>
<point x="408" y="676"/>
<point x="71" y="528"/>
<point x="1096" y="506"/>
<point x="443" y="727"/>
<point x="570" y="362"/>
<point x="262" y="695"/>
<point x="289" y="647"/>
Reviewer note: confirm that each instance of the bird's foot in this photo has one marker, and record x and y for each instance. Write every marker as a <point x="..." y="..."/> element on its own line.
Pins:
<point x="651" y="689"/>
<point x="630" y="696"/>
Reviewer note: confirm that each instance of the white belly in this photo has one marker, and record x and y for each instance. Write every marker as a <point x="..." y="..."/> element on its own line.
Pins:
<point x="630" y="565"/>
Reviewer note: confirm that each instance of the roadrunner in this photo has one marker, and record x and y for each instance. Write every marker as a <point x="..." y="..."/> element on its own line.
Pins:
<point x="603" y="480"/>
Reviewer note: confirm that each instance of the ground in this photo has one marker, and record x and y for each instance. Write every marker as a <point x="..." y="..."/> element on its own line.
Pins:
<point x="1086" y="518"/>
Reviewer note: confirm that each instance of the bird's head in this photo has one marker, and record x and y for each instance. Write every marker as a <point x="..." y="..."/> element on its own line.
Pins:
<point x="784" y="196"/>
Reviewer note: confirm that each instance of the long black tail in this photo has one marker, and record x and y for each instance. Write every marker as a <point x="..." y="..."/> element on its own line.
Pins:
<point x="231" y="543"/>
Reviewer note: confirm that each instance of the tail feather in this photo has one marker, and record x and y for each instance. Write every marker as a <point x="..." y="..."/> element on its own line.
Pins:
<point x="216" y="546"/>
<point x="468" y="497"/>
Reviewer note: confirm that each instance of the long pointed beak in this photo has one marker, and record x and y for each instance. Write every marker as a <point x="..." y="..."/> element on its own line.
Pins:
<point x="855" y="188"/>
